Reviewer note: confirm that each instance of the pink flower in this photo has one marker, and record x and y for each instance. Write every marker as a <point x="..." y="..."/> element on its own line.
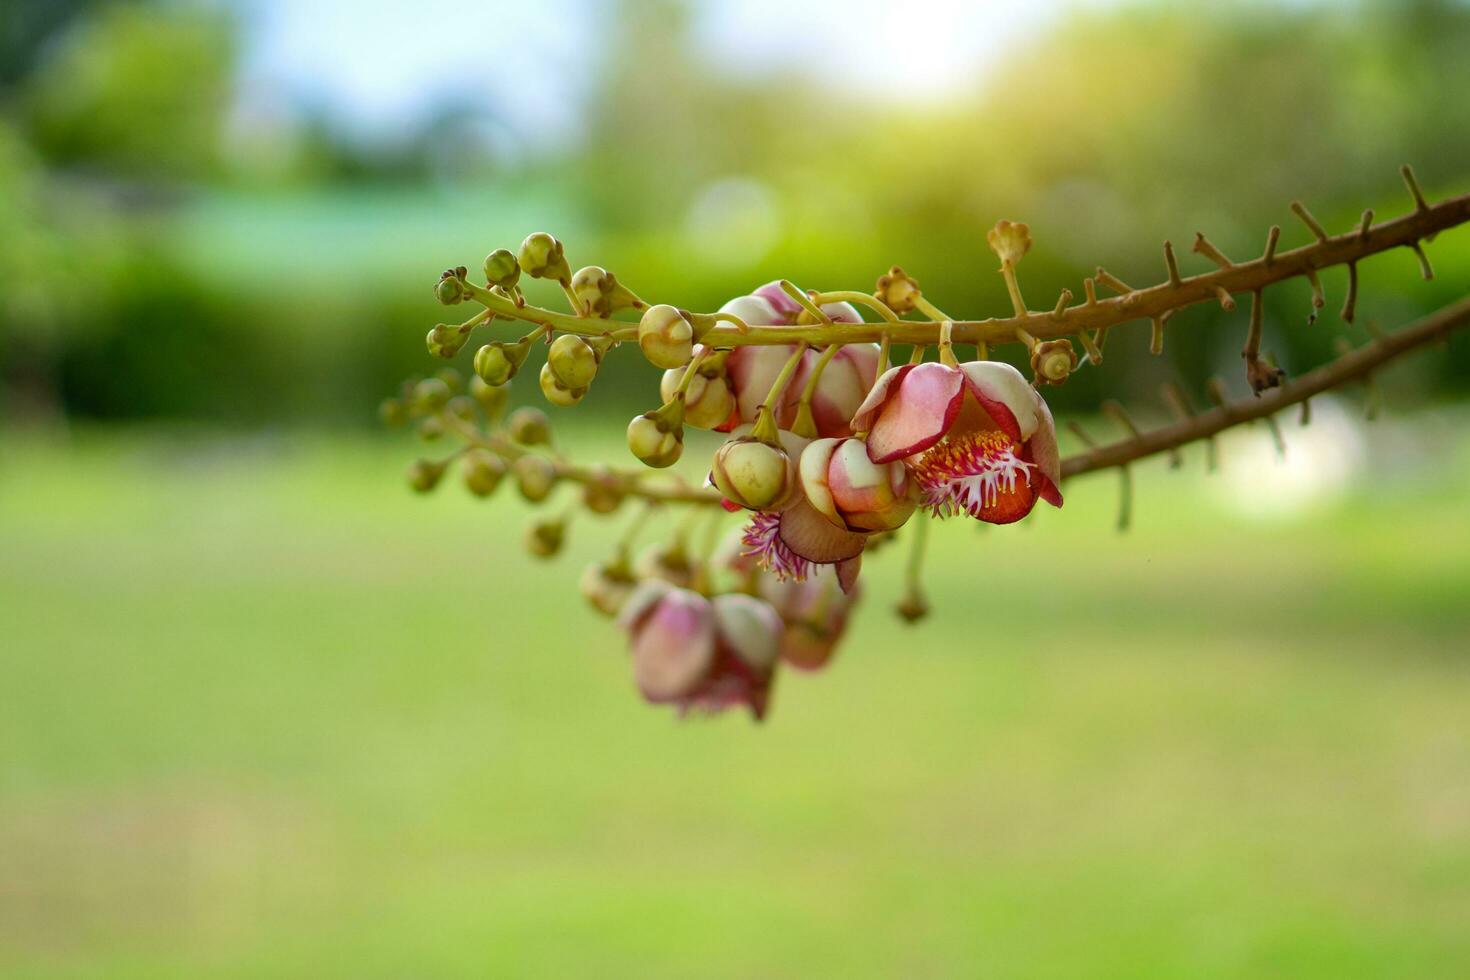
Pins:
<point x="752" y="369"/>
<point x="701" y="654"/>
<point x="976" y="437"/>
<point x="852" y="491"/>
<point x="814" y="612"/>
<point x="789" y="542"/>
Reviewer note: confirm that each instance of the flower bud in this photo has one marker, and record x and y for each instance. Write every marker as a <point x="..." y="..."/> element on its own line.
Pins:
<point x="1053" y="361"/>
<point x="544" y="538"/>
<point x="654" y="444"/>
<point x="708" y="403"/>
<point x="491" y="398"/>
<point x="1010" y="240"/>
<point x="430" y="428"/>
<point x="431" y="394"/>
<point x="668" y="563"/>
<point x="542" y="257"/>
<point x="912" y="608"/>
<point x="462" y="407"/>
<point x="753" y="474"/>
<point x="502" y="269"/>
<point x="497" y="362"/>
<point x="607" y="585"/>
<point x="529" y="426"/>
<point x="450" y="287"/>
<point x="666" y="336"/>
<point x="482" y="471"/>
<point x="424" y="474"/>
<point x="392" y="412"/>
<point x="592" y="287"/>
<point x="852" y="491"/>
<point x="535" y="477"/>
<point x="557" y="394"/>
<point x="897" y="290"/>
<point x="602" y="494"/>
<point x="572" y="361"/>
<point x="446" y="340"/>
<point x="452" y="379"/>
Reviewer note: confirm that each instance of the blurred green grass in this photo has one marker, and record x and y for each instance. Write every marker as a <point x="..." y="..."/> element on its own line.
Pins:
<point x="271" y="715"/>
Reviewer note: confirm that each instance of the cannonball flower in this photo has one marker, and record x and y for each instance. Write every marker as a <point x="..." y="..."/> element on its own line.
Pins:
<point x="792" y="542"/>
<point x="851" y="490"/>
<point x="814" y="612"/>
<point x="753" y="368"/>
<point x="758" y="475"/>
<point x="702" y="654"/>
<point x="976" y="437"/>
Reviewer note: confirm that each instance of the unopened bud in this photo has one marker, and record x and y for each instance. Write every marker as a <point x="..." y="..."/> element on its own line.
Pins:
<point x="1010" y="240"/>
<point x="535" y="477"/>
<point x="572" y="361"/>
<point x="491" y="398"/>
<point x="431" y="394"/>
<point x="452" y="379"/>
<point x="602" y="494"/>
<point x="544" y="538"/>
<point x="431" y="428"/>
<point x="657" y="437"/>
<point x="424" y="474"/>
<point x="482" y="471"/>
<point x="502" y="269"/>
<point x="446" y="340"/>
<point x="542" y="257"/>
<point x="668" y="562"/>
<point x="462" y="407"/>
<point x="555" y="392"/>
<point x="497" y="362"/>
<point x="450" y="287"/>
<point x="897" y="290"/>
<point x="752" y="473"/>
<point x="598" y="292"/>
<point x="1053" y="361"/>
<point x="529" y="426"/>
<point x="607" y="585"/>
<point x="666" y="336"/>
<point x="392" y="412"/>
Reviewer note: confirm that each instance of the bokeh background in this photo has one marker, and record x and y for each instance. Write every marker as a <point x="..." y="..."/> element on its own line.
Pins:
<point x="267" y="714"/>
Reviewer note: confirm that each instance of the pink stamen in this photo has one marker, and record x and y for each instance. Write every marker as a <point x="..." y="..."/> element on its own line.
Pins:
<point x="762" y="540"/>
<point x="967" y="473"/>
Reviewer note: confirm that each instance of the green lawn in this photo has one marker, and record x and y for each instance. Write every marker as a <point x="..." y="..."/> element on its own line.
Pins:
<point x="267" y="714"/>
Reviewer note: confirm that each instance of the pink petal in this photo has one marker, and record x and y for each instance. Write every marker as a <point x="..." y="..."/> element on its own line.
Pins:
<point x="920" y="410"/>
<point x="1043" y="452"/>
<point x="780" y="300"/>
<point x="752" y="369"/>
<point x="843" y="387"/>
<point x="674" y="646"/>
<point x="750" y="629"/>
<point x="813" y="537"/>
<point x="813" y="473"/>
<point x="847" y="573"/>
<point x="1006" y="396"/>
<point x="842" y="313"/>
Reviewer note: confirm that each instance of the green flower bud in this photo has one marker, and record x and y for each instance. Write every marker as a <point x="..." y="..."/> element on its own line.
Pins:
<point x="497" y="362"/>
<point x="392" y="412"/>
<point x="666" y="337"/>
<point x="482" y="471"/>
<point x="602" y="494"/>
<point x="667" y="562"/>
<point x="752" y="473"/>
<point x="452" y="379"/>
<point x="502" y="269"/>
<point x="572" y="361"/>
<point x="431" y="394"/>
<point x="607" y="585"/>
<point x="424" y="474"/>
<point x="491" y="398"/>
<point x="431" y="428"/>
<point x="535" y="477"/>
<point x="544" y="538"/>
<point x="654" y="441"/>
<point x="529" y="426"/>
<point x="542" y="257"/>
<point x="462" y="407"/>
<point x="557" y="394"/>
<point x="446" y="340"/>
<point x="450" y="287"/>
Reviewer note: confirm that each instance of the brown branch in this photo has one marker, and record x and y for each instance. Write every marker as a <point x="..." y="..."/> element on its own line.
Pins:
<point x="1354" y="365"/>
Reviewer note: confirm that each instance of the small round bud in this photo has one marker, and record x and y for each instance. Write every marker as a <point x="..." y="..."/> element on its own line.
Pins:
<point x="491" y="398"/>
<point x="601" y="494"/>
<point x="493" y="364"/>
<point x="1010" y="240"/>
<point x="593" y="287"/>
<point x="666" y="336"/>
<point x="653" y="443"/>
<point x="529" y="426"/>
<point x="542" y="257"/>
<point x="897" y="290"/>
<point x="450" y="287"/>
<point x="424" y="474"/>
<point x="482" y="471"/>
<point x="709" y="401"/>
<point x="572" y="361"/>
<point x="452" y="379"/>
<point x="535" y="477"/>
<point x="1053" y="361"/>
<point x="544" y="538"/>
<point x="392" y="412"/>
<point x="668" y="562"/>
<point x="431" y="394"/>
<point x="752" y="473"/>
<point x="431" y="428"/>
<point x="446" y="340"/>
<point x="462" y="407"/>
<point x="555" y="393"/>
<point x="502" y="269"/>
<point x="607" y="585"/>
